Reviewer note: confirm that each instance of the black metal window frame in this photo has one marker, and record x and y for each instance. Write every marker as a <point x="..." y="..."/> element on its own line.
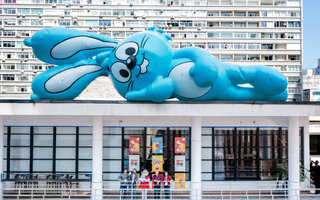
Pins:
<point x="8" y="136"/>
<point x="144" y="146"/>
<point x="280" y="131"/>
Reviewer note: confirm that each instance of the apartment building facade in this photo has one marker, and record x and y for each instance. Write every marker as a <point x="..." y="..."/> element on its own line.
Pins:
<point x="245" y="32"/>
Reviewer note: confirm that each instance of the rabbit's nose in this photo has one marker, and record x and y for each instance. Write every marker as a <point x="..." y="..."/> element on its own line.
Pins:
<point x="131" y="62"/>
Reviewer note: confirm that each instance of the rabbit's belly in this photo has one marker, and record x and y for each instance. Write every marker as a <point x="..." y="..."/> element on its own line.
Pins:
<point x="184" y="83"/>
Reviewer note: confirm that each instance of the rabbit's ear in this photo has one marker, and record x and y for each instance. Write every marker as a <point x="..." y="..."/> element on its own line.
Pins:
<point x="60" y="46"/>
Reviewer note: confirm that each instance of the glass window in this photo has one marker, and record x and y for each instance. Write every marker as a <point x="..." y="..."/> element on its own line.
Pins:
<point x="20" y="140"/>
<point x="65" y="153"/>
<point x="42" y="140"/>
<point x="19" y="165"/>
<point x="42" y="153"/>
<point x="66" y="140"/>
<point x="20" y="152"/>
<point x="42" y="166"/>
<point x="65" y="165"/>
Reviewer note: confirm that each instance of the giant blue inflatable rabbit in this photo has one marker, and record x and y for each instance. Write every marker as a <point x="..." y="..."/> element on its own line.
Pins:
<point x="143" y="67"/>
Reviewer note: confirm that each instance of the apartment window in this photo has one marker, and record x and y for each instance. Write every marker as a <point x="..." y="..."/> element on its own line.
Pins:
<point x="36" y="11"/>
<point x="253" y="35"/>
<point x="239" y="57"/>
<point x="240" y="45"/>
<point x="22" y="89"/>
<point x="8" y="77"/>
<point x="226" y="2"/>
<point x="8" y="66"/>
<point x="185" y="44"/>
<point x="36" y="22"/>
<point x="293" y="79"/>
<point x="9" y="33"/>
<point x="118" y="34"/>
<point x="213" y="24"/>
<point x="266" y="46"/>
<point x="9" y="22"/>
<point x="226" y="13"/>
<point x="240" y="35"/>
<point x="186" y="23"/>
<point x="9" y="11"/>
<point x="22" y="55"/>
<point x="294" y="13"/>
<point x="294" y="24"/>
<point x="200" y="24"/>
<point x="24" y="11"/>
<point x="64" y="22"/>
<point x="253" y="46"/>
<point x="226" y="35"/>
<point x="213" y="13"/>
<point x="267" y="35"/>
<point x="21" y="66"/>
<point x="226" y="57"/>
<point x="104" y="22"/>
<point x="226" y="24"/>
<point x="157" y="23"/>
<point x="240" y="14"/>
<point x="92" y="23"/>
<point x="9" y="44"/>
<point x="253" y="57"/>
<point x="266" y="57"/>
<point x="280" y="24"/>
<point x="293" y="57"/>
<point x="36" y="67"/>
<point x="253" y="24"/>
<point x="253" y="14"/>
<point x="294" y="35"/>
<point x="294" y="68"/>
<point x="50" y="1"/>
<point x="240" y="24"/>
<point x="226" y="46"/>
<point x="213" y="45"/>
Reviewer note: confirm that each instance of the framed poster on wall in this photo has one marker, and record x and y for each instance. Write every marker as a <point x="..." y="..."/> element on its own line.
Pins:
<point x="180" y="180"/>
<point x="157" y="163"/>
<point x="157" y="145"/>
<point x="134" y="145"/>
<point x="134" y="162"/>
<point x="180" y="163"/>
<point x="180" y="145"/>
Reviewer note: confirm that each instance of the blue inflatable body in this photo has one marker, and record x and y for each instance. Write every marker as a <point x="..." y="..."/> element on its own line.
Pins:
<point x="144" y="67"/>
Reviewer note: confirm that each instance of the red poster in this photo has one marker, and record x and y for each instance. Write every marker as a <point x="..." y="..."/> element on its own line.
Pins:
<point x="180" y="145"/>
<point x="134" y="144"/>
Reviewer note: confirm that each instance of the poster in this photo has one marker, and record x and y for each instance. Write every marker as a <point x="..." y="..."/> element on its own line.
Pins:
<point x="134" y="144"/>
<point x="180" y="180"/>
<point x="134" y="162"/>
<point x="157" y="145"/>
<point x="180" y="145"/>
<point x="157" y="163"/>
<point x="180" y="163"/>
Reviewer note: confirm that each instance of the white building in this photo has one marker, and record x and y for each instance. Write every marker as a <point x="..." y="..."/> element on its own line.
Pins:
<point x="224" y="152"/>
<point x="247" y="32"/>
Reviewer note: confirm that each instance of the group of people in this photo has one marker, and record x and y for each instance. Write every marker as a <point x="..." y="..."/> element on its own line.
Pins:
<point x="315" y="174"/>
<point x="130" y="180"/>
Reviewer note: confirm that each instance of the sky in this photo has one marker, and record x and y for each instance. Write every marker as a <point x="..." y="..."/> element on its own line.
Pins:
<point x="311" y="33"/>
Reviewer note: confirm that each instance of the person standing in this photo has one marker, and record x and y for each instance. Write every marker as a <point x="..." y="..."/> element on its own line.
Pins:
<point x="157" y="180"/>
<point x="144" y="183"/>
<point x="123" y="179"/>
<point x="317" y="176"/>
<point x="166" y="185"/>
<point x="133" y="184"/>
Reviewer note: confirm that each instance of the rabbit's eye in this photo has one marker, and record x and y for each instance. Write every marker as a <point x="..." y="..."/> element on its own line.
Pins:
<point x="120" y="72"/>
<point x="126" y="50"/>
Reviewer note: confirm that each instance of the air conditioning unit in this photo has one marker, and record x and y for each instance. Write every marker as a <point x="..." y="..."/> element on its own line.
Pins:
<point x="144" y="17"/>
<point x="2" y="27"/>
<point x="40" y="15"/>
<point x="81" y="5"/>
<point x="135" y="16"/>
<point x="23" y="16"/>
<point x="3" y="60"/>
<point x="22" y="71"/>
<point x="25" y="60"/>
<point x="199" y="28"/>
<point x="68" y="5"/>
<point x="62" y="16"/>
<point x="54" y="5"/>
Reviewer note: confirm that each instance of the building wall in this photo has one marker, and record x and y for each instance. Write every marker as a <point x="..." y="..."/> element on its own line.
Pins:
<point x="247" y="32"/>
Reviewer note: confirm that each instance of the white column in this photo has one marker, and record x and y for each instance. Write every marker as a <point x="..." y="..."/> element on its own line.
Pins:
<point x="306" y="150"/>
<point x="97" y="149"/>
<point x="1" y="154"/>
<point x="293" y="157"/>
<point x="196" y="157"/>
